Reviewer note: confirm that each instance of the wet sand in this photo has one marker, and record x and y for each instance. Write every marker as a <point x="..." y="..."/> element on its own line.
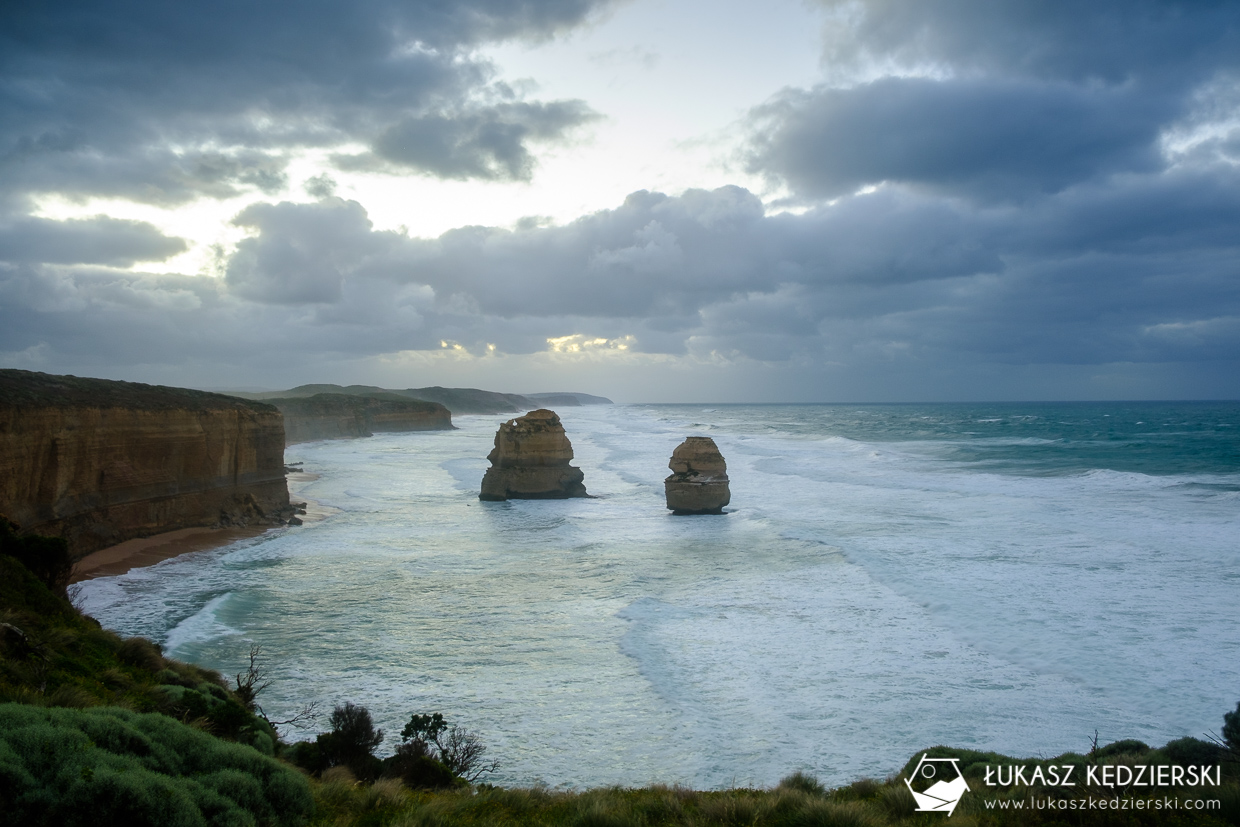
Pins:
<point x="147" y="551"/>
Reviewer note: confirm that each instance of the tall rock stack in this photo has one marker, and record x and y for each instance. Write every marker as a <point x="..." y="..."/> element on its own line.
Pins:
<point x="699" y="480"/>
<point x="531" y="461"/>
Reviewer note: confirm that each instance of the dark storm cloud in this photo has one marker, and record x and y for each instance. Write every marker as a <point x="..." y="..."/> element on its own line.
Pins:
<point x="1010" y="99"/>
<point x="997" y="139"/>
<point x="164" y="101"/>
<point x="1108" y="41"/>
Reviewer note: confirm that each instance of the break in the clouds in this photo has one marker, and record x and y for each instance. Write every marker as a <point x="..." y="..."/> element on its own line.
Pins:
<point x="1017" y="199"/>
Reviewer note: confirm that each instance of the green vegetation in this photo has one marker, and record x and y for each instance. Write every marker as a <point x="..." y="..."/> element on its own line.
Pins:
<point x="53" y="656"/>
<point x="798" y="801"/>
<point x="100" y="730"/>
<point x="28" y="389"/>
<point x="47" y="558"/>
<point x="110" y="766"/>
<point x="1231" y="731"/>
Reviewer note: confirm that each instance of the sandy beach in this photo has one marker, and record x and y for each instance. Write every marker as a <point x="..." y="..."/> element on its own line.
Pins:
<point x="147" y="551"/>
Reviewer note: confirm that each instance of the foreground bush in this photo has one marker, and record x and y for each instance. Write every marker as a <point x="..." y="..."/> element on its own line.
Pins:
<point x="108" y="766"/>
<point x="51" y="655"/>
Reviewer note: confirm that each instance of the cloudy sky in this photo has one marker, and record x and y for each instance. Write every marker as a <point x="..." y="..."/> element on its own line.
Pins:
<point x="654" y="200"/>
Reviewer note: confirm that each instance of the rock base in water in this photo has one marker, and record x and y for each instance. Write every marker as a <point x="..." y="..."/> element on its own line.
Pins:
<point x="699" y="480"/>
<point x="530" y="461"/>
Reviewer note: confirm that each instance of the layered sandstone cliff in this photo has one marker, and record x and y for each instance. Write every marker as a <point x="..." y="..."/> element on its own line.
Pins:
<point x="338" y="415"/>
<point x="530" y="461"/>
<point x="699" y="480"/>
<point x="98" y="462"/>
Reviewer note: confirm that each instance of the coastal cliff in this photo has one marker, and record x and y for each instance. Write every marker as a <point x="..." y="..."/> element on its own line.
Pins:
<point x="98" y="462"/>
<point x="338" y="415"/>
<point x="456" y="400"/>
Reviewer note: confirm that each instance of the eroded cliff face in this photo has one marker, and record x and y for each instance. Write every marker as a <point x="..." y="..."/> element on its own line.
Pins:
<point x="99" y="462"/>
<point x="339" y="416"/>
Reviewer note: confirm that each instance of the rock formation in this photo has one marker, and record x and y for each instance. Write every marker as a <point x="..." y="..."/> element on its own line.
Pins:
<point x="699" y="480"/>
<point x="338" y="416"/>
<point x="98" y="462"/>
<point x="530" y="461"/>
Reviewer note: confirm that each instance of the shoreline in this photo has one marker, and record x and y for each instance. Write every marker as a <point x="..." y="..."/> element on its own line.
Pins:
<point x="141" y="552"/>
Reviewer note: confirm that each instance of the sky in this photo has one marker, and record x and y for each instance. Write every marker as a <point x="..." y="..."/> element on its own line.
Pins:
<point x="651" y="200"/>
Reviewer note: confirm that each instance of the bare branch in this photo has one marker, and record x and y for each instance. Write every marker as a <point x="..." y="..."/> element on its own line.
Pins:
<point x="462" y="754"/>
<point x="305" y="718"/>
<point x="253" y="680"/>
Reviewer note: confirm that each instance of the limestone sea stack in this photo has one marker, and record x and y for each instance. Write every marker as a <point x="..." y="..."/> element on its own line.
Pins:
<point x="530" y="461"/>
<point x="699" y="480"/>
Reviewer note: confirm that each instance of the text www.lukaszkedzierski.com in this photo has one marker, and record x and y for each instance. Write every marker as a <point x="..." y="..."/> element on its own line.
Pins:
<point x="1090" y="803"/>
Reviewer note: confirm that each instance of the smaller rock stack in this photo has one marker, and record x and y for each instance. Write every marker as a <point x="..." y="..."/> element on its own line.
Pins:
<point x="699" y="480"/>
<point x="531" y="461"/>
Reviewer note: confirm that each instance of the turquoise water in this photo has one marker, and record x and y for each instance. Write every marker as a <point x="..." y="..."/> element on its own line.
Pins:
<point x="1005" y="577"/>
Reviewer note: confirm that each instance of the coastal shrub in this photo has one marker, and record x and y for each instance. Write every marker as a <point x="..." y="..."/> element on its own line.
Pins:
<point x="736" y="810"/>
<point x="1127" y="747"/>
<point x="802" y="781"/>
<point x="142" y="653"/>
<point x="213" y="709"/>
<point x="47" y="558"/>
<point x="863" y="789"/>
<point x="1191" y="752"/>
<point x="105" y="766"/>
<point x="350" y="743"/>
<point x="895" y="801"/>
<point x="1231" y="729"/>
<point x="413" y="765"/>
<point x="660" y="805"/>
<point x="599" y="812"/>
<point x="429" y="738"/>
<point x="826" y="813"/>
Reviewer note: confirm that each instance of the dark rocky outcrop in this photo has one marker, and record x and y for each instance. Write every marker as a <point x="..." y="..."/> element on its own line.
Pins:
<point x="530" y="461"/>
<point x="699" y="480"/>
<point x="338" y="415"/>
<point x="99" y="462"/>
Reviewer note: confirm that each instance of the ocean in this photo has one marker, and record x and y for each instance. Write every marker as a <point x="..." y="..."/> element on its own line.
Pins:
<point x="1006" y="577"/>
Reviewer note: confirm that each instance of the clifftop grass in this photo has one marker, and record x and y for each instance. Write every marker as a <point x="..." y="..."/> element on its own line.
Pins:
<point x="52" y="656"/>
<point x="29" y="389"/>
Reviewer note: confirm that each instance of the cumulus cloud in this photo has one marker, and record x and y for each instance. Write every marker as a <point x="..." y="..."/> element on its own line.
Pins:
<point x="885" y="283"/>
<point x="995" y="101"/>
<point x="167" y="102"/>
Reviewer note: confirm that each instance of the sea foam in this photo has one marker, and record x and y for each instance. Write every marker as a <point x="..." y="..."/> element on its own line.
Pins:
<point x="885" y="580"/>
